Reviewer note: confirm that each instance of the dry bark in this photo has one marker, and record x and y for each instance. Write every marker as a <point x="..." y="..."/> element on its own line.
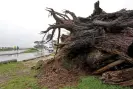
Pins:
<point x="115" y="77"/>
<point x="127" y="83"/>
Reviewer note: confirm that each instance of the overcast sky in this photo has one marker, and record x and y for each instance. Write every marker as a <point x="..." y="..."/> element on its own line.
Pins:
<point x="22" y="20"/>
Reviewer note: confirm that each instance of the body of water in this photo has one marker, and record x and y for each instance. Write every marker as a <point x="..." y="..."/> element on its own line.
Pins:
<point x="10" y="52"/>
<point x="23" y="56"/>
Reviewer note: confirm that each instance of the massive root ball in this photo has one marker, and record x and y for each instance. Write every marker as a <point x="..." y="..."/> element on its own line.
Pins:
<point x="102" y="41"/>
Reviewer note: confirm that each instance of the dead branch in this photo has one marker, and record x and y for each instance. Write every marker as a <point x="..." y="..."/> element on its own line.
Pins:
<point x="58" y="39"/>
<point x="75" y="19"/>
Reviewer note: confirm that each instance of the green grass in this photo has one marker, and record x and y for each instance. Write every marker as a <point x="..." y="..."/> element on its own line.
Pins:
<point x="94" y="83"/>
<point x="52" y="54"/>
<point x="31" y="50"/>
<point x="21" y="82"/>
<point x="10" y="68"/>
<point x="19" y="76"/>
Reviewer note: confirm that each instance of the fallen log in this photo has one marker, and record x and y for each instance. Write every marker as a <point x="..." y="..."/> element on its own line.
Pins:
<point x="105" y="68"/>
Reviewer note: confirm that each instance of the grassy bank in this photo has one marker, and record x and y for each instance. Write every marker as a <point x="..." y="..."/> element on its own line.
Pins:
<point x="6" y="49"/>
<point x="20" y="76"/>
<point x="31" y="50"/>
<point x="17" y="76"/>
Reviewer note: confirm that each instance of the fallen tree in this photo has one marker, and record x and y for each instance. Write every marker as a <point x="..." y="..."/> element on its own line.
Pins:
<point x="102" y="41"/>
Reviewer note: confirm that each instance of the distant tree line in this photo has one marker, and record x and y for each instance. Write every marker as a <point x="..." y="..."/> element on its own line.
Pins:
<point x="9" y="48"/>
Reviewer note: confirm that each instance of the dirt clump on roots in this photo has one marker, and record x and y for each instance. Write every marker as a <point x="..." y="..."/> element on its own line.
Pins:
<point x="54" y="75"/>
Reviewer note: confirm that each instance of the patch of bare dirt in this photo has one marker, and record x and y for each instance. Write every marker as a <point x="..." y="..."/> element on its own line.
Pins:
<point x="3" y="79"/>
<point x="55" y="76"/>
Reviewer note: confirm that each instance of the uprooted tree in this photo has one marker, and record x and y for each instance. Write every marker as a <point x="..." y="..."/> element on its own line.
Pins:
<point x="102" y="41"/>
